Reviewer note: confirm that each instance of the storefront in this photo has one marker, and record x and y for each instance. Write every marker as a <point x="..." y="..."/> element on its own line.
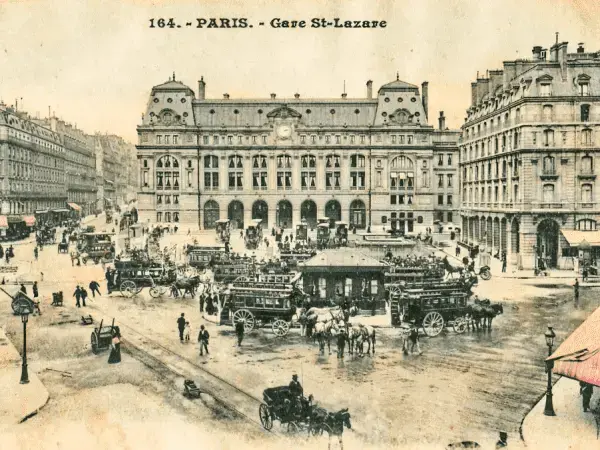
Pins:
<point x="583" y="245"/>
<point x="338" y="275"/>
<point x="75" y="212"/>
<point x="59" y="215"/>
<point x="42" y="216"/>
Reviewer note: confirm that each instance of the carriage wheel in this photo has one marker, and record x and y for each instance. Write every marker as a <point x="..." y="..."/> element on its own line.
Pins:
<point x="292" y="427"/>
<point x="485" y="275"/>
<point x="15" y="307"/>
<point x="433" y="323"/>
<point x="96" y="261"/>
<point x="155" y="292"/>
<point x="459" y="325"/>
<point x="128" y="288"/>
<point x="248" y="318"/>
<point x="84" y="260"/>
<point x="94" y="341"/>
<point x="266" y="419"/>
<point x="280" y="327"/>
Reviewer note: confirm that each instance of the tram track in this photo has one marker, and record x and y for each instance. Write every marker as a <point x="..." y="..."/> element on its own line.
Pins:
<point x="171" y="365"/>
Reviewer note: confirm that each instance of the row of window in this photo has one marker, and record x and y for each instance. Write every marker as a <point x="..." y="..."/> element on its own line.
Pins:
<point x="42" y="143"/>
<point x="167" y="199"/>
<point x="304" y="139"/>
<point x="167" y="217"/>
<point x="477" y="195"/>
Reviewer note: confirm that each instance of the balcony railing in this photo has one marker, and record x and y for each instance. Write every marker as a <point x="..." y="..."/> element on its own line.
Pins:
<point x="547" y="205"/>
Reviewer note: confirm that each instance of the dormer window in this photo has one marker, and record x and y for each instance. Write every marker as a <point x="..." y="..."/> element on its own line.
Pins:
<point x="545" y="90"/>
<point x="584" y="89"/>
<point x="583" y="84"/>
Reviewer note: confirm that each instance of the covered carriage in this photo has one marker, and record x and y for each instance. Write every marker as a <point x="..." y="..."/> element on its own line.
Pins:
<point x="302" y="233"/>
<point x="279" y="403"/>
<point x="323" y="234"/>
<point x="264" y="300"/>
<point x="253" y="235"/>
<point x="232" y="269"/>
<point x="203" y="256"/>
<point x="133" y="277"/>
<point x="341" y="234"/>
<point x="223" y="229"/>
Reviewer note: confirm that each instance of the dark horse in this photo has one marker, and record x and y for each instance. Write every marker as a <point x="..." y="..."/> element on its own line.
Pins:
<point x="483" y="312"/>
<point x="188" y="285"/>
<point x="333" y="423"/>
<point x="450" y="269"/>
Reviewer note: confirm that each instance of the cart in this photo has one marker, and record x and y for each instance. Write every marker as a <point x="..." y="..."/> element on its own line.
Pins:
<point x="101" y="337"/>
<point x="190" y="390"/>
<point x="279" y="404"/>
<point x="134" y="277"/>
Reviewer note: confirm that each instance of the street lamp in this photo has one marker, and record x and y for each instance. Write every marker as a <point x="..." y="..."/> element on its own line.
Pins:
<point x="549" y="335"/>
<point x="24" y="318"/>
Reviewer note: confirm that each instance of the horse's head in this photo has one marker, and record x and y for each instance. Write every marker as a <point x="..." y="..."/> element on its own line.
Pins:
<point x="343" y="416"/>
<point x="498" y="308"/>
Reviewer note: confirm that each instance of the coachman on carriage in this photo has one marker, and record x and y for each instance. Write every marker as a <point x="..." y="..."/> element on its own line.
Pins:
<point x="253" y="235"/>
<point x="223" y="229"/>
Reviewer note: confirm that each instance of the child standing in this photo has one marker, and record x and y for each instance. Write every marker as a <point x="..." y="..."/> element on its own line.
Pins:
<point x="186" y="332"/>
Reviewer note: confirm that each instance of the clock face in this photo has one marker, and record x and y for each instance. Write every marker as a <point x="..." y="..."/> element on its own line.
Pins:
<point x="284" y="131"/>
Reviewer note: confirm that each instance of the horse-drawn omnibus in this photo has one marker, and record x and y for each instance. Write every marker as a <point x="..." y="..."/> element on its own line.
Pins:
<point x="230" y="270"/>
<point x="203" y="256"/>
<point x="341" y="234"/>
<point x="132" y="277"/>
<point x="263" y="299"/>
<point x="223" y="230"/>
<point x="253" y="234"/>
<point x="323" y="234"/>
<point x="326" y="220"/>
<point x="302" y="233"/>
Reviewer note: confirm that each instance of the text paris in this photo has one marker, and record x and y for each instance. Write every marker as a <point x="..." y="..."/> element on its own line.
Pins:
<point x="327" y="23"/>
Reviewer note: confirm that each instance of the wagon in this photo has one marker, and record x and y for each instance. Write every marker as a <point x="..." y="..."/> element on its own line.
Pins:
<point x="431" y="308"/>
<point x="201" y="257"/>
<point x="96" y="252"/>
<point x="279" y="404"/>
<point x="134" y="277"/>
<point x="233" y="269"/>
<point x="263" y="300"/>
<point x="101" y="337"/>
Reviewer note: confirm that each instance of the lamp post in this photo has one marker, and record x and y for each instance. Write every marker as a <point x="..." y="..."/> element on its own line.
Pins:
<point x="24" y="319"/>
<point x="549" y="335"/>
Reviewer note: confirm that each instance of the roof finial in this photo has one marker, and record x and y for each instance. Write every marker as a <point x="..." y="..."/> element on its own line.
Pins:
<point x="173" y="76"/>
<point x="557" y="37"/>
<point x="397" y="76"/>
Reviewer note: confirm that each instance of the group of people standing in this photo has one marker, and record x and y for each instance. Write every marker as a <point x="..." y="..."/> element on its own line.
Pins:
<point x="184" y="329"/>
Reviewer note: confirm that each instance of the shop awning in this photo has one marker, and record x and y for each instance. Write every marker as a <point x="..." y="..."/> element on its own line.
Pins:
<point x="578" y="357"/>
<point x="3" y="222"/>
<point x="29" y="220"/>
<point x="60" y="210"/>
<point x="74" y="206"/>
<point x="576" y="237"/>
<point x="41" y="211"/>
<point x="15" y="219"/>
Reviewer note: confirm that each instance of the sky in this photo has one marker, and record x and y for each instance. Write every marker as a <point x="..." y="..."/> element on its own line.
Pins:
<point x="94" y="62"/>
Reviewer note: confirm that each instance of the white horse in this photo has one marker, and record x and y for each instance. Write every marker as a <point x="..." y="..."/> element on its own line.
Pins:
<point x="323" y="332"/>
<point x="358" y="335"/>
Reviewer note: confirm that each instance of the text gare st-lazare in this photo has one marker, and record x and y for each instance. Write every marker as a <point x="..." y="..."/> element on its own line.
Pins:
<point x="277" y="23"/>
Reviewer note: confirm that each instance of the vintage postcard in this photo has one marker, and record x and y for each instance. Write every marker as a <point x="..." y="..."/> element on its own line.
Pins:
<point x="299" y="224"/>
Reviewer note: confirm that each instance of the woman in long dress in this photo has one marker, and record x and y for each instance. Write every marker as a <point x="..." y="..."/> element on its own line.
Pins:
<point x="115" y="348"/>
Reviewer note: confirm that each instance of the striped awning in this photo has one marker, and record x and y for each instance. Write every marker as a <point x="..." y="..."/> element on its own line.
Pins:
<point x="578" y="357"/>
<point x="29" y="220"/>
<point x="3" y="222"/>
<point x="74" y="206"/>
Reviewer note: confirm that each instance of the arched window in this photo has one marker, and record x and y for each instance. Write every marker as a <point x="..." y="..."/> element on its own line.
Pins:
<point x="236" y="172"/>
<point x="308" y="175"/>
<point x="402" y="173"/>
<point x="357" y="172"/>
<point x="167" y="173"/>
<point x="259" y="172"/>
<point x="333" y="174"/>
<point x="586" y="225"/>
<point x="284" y="172"/>
<point x="211" y="172"/>
<point x="586" y="193"/>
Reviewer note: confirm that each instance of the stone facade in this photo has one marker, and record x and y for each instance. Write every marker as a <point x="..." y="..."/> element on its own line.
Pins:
<point x="528" y="154"/>
<point x="117" y="170"/>
<point x="362" y="160"/>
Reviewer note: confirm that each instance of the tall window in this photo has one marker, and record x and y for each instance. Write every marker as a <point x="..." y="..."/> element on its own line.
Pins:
<point x="211" y="172"/>
<point x="586" y="193"/>
<point x="332" y="172"/>
<point x="545" y="90"/>
<point x="402" y="174"/>
<point x="259" y="172"/>
<point x="547" y="113"/>
<point x="357" y="172"/>
<point x="548" y="193"/>
<point x="449" y="178"/>
<point x="584" y="89"/>
<point x="284" y="173"/>
<point x="587" y="165"/>
<point x="309" y="172"/>
<point x="586" y="137"/>
<point x="548" y="167"/>
<point x="585" y="113"/>
<point x="440" y="180"/>
<point x="167" y="173"/>
<point x="548" y="138"/>
<point x="586" y="224"/>
<point x="236" y="172"/>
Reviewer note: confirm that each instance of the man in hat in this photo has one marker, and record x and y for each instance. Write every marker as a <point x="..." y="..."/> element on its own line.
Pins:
<point x="239" y="331"/>
<point x="295" y="387"/>
<point x="341" y="343"/>
<point x="414" y="339"/>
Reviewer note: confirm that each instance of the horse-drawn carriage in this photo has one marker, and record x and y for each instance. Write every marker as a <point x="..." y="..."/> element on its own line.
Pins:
<point x="223" y="230"/>
<point x="201" y="257"/>
<point x="232" y="269"/>
<point x="253" y="235"/>
<point x="46" y="236"/>
<point x="264" y="299"/>
<point x="279" y="403"/>
<point x="302" y="233"/>
<point x="341" y="234"/>
<point x="63" y="246"/>
<point x="323" y="234"/>
<point x="97" y="252"/>
<point x="133" y="277"/>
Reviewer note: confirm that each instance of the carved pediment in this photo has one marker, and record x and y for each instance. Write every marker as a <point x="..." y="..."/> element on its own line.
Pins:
<point x="544" y="77"/>
<point x="284" y="112"/>
<point x="401" y="116"/>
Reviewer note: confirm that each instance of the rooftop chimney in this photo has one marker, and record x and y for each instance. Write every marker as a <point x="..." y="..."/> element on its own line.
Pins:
<point x="296" y="95"/>
<point x="344" y="95"/>
<point x="580" y="49"/>
<point x="442" y="121"/>
<point x="425" y="97"/>
<point x="226" y="96"/>
<point x="273" y="96"/>
<point x="369" y="89"/>
<point x="537" y="51"/>
<point x="201" y="89"/>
